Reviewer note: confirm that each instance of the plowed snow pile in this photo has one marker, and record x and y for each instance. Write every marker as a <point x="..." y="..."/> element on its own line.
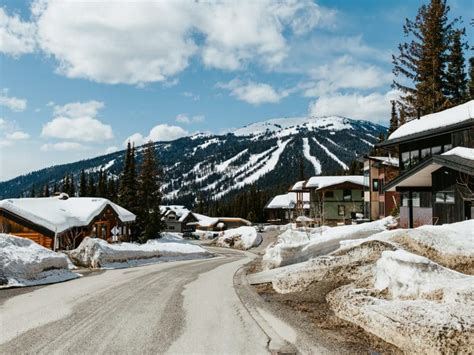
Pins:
<point x="97" y="253"/>
<point x="419" y="305"/>
<point x="294" y="246"/>
<point x="26" y="263"/>
<point x="242" y="238"/>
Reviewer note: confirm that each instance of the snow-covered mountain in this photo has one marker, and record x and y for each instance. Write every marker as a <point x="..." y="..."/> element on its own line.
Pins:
<point x="266" y="153"/>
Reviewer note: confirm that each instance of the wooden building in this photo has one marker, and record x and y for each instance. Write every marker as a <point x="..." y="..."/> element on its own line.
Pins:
<point x="178" y="219"/>
<point x="286" y="208"/>
<point x="61" y="222"/>
<point x="436" y="167"/>
<point x="378" y="171"/>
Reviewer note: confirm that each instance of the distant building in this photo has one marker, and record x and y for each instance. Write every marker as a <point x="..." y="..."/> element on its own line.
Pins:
<point x="178" y="219"/>
<point x="436" y="159"/>
<point x="61" y="222"/>
<point x="283" y="209"/>
<point x="206" y="223"/>
<point x="378" y="171"/>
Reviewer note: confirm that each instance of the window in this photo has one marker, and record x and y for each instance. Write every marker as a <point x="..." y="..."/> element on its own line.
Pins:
<point x="375" y="184"/>
<point x="329" y="194"/>
<point x="425" y="152"/>
<point x="447" y="147"/>
<point x="406" y="160"/>
<point x="436" y="150"/>
<point x="415" y="199"/>
<point x="341" y="210"/>
<point x="347" y="195"/>
<point x="444" y="197"/>
<point x="414" y="157"/>
<point x="405" y="199"/>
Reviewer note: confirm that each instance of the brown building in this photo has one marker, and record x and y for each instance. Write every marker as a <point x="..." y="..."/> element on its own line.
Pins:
<point x="61" y="222"/>
<point x="378" y="171"/>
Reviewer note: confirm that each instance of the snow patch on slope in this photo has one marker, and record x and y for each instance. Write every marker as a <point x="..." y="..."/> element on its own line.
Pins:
<point x="333" y="156"/>
<point x="310" y="158"/>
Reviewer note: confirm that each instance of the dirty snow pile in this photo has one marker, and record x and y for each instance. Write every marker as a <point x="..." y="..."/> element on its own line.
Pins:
<point x="242" y="238"/>
<point x="410" y="287"/>
<point x="97" y="253"/>
<point x="297" y="245"/>
<point x="26" y="263"/>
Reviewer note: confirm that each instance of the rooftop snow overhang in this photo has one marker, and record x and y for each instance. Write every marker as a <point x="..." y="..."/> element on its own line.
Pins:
<point x="420" y="176"/>
<point x="426" y="134"/>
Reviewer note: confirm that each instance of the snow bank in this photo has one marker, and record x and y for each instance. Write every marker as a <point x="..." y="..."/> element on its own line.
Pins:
<point x="451" y="245"/>
<point x="240" y="238"/>
<point x="97" y="253"/>
<point x="412" y="302"/>
<point x="295" y="246"/>
<point x="26" y="263"/>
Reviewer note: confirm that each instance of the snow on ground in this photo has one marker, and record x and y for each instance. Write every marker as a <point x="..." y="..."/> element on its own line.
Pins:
<point x="97" y="253"/>
<point x="411" y="302"/>
<point x="242" y="238"/>
<point x="26" y="263"/>
<point x="307" y="154"/>
<point x="295" y="246"/>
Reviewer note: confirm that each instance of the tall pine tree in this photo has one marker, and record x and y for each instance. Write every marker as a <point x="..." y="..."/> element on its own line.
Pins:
<point x="127" y="194"/>
<point x="456" y="81"/>
<point x="471" y="78"/>
<point x="83" y="184"/>
<point x="393" y="119"/>
<point x="423" y="59"/>
<point x="149" y="224"/>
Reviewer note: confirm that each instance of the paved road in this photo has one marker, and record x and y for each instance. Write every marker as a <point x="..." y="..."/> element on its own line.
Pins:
<point x="176" y="307"/>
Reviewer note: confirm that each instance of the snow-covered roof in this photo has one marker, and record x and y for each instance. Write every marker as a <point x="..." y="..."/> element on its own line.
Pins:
<point x="58" y="214"/>
<point x="386" y="160"/>
<point x="298" y="186"/>
<point x="180" y="211"/>
<point x="462" y="152"/>
<point x="205" y="221"/>
<point x="321" y="182"/>
<point x="440" y="119"/>
<point x="287" y="201"/>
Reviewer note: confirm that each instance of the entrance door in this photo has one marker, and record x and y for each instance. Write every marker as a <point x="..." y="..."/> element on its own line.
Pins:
<point x="468" y="210"/>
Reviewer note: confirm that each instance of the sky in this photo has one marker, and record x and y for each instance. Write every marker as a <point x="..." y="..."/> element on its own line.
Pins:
<point x="80" y="79"/>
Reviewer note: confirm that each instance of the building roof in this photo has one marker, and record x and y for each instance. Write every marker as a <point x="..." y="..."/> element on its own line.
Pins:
<point x="460" y="159"/>
<point x="389" y="161"/>
<point x="180" y="211"/>
<point x="287" y="201"/>
<point x="439" y="121"/>
<point x="58" y="214"/>
<point x="321" y="182"/>
<point x="299" y="186"/>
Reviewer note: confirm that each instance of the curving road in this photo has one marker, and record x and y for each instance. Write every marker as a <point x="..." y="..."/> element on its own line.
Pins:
<point x="177" y="307"/>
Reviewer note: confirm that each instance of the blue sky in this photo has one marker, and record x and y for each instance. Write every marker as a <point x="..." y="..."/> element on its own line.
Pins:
<point x="75" y="86"/>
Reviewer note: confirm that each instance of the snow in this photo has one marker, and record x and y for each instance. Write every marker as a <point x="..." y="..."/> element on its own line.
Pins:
<point x="333" y="156"/>
<point x="284" y="125"/>
<point x="180" y="211"/>
<point x="462" y="152"/>
<point x="386" y="160"/>
<point x="26" y="263"/>
<point x="298" y="186"/>
<point x="320" y="182"/>
<point x="242" y="238"/>
<point x="205" y="221"/>
<point x="224" y="165"/>
<point x="307" y="154"/>
<point x="287" y="201"/>
<point x="58" y="215"/>
<point x="294" y="246"/>
<point x="97" y="253"/>
<point x="440" y="119"/>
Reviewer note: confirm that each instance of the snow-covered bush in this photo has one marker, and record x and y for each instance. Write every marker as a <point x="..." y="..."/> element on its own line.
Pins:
<point x="95" y="253"/>
<point x="242" y="238"/>
<point x="24" y="263"/>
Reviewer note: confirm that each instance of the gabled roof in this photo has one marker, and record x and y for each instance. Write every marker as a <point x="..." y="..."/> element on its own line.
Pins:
<point x="299" y="186"/>
<point x="321" y="182"/>
<point x="460" y="159"/>
<point x="435" y="123"/>
<point x="58" y="215"/>
<point x="389" y="161"/>
<point x="287" y="201"/>
<point x="180" y="211"/>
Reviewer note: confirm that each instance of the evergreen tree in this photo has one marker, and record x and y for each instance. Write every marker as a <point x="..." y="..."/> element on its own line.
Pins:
<point x="55" y="188"/>
<point x="456" y="81"/>
<point x="83" y="184"/>
<point x="402" y="120"/>
<point x="127" y="194"/>
<point x="423" y="59"/>
<point x="102" y="184"/>
<point x="46" y="191"/>
<point x="33" y="191"/>
<point x="91" y="189"/>
<point x="65" y="186"/>
<point x="149" y="224"/>
<point x="471" y="78"/>
<point x="111" y="190"/>
<point x="72" y="187"/>
<point x="393" y="119"/>
<point x="301" y="169"/>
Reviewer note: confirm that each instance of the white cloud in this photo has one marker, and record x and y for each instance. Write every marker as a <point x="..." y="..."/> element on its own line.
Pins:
<point x="374" y="107"/>
<point x="127" y="44"/>
<point x="77" y="121"/>
<point x="191" y="95"/>
<point x="17" y="136"/>
<point x="254" y="93"/>
<point x="16" y="36"/>
<point x="111" y="149"/>
<point x="62" y="146"/>
<point x="159" y="133"/>
<point x="13" y="103"/>
<point x="186" y="119"/>
<point x="345" y="73"/>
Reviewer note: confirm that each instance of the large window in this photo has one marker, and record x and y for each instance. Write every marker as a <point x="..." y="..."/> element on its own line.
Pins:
<point x="347" y="195"/>
<point x="375" y="184"/>
<point x="444" y="197"/>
